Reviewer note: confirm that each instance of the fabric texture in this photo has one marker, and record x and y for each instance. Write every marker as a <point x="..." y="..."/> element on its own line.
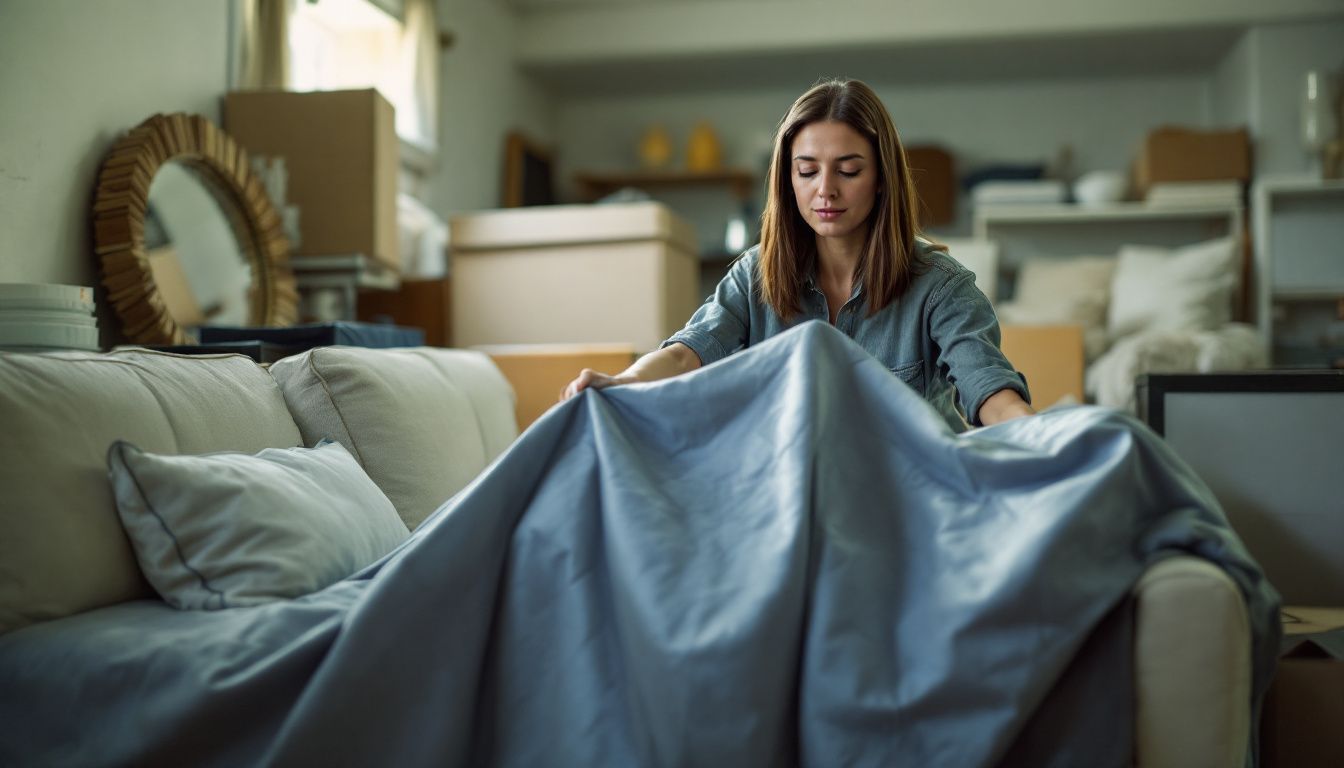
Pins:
<point x="1232" y="347"/>
<point x="225" y="530"/>
<point x="1070" y="291"/>
<point x="62" y="548"/>
<point x="783" y="558"/>
<point x="421" y="422"/>
<point x="941" y="337"/>
<point x="1182" y="289"/>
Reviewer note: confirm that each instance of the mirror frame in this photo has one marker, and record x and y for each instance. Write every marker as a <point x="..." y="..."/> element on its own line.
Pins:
<point x="122" y="199"/>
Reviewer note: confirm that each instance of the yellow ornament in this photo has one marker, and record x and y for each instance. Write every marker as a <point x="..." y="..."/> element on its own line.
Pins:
<point x="655" y="148"/>
<point x="704" y="153"/>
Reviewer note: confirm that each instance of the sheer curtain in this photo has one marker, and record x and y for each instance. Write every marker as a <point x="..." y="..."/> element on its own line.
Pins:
<point x="417" y="99"/>
<point x="264" y="45"/>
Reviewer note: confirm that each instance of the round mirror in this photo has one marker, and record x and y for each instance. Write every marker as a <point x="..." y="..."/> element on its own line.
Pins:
<point x="186" y="234"/>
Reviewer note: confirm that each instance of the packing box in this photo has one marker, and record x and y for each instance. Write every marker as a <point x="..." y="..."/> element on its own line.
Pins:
<point x="1171" y="153"/>
<point x="342" y="154"/>
<point x="573" y="274"/>
<point x="1304" y="709"/>
<point x="1050" y="356"/>
<point x="539" y="372"/>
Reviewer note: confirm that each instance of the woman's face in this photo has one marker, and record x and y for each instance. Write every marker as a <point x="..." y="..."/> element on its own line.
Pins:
<point x="834" y="173"/>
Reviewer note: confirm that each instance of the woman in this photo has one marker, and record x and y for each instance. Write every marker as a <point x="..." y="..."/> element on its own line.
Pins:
<point x="839" y="242"/>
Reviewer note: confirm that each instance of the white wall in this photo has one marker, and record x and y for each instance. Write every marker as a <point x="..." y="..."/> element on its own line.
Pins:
<point x="1236" y="85"/>
<point x="74" y="76"/>
<point x="483" y="97"/>
<point x="1281" y="56"/>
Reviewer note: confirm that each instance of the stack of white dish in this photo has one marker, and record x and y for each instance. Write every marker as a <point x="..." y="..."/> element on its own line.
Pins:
<point x="1019" y="192"/>
<point x="38" y="317"/>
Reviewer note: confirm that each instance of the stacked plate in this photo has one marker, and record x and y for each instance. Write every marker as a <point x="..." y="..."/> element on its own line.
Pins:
<point x="37" y="317"/>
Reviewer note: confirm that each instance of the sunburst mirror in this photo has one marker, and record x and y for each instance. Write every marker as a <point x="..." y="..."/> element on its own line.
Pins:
<point x="186" y="234"/>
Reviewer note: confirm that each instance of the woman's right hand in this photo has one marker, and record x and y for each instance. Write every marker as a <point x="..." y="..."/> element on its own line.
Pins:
<point x="590" y="378"/>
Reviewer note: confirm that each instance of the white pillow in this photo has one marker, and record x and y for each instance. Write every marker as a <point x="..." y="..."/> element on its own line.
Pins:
<point x="224" y="530"/>
<point x="1067" y="291"/>
<point x="1186" y="289"/>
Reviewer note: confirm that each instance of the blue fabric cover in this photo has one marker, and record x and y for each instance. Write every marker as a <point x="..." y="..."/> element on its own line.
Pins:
<point x="784" y="558"/>
<point x="301" y="337"/>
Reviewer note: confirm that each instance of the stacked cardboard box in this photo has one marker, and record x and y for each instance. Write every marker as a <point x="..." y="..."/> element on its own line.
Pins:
<point x="342" y="154"/>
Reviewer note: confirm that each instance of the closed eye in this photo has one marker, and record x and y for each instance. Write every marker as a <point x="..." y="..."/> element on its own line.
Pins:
<point x="846" y="174"/>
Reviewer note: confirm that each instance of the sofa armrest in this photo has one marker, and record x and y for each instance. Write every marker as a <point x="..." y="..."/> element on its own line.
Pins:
<point x="1192" y="667"/>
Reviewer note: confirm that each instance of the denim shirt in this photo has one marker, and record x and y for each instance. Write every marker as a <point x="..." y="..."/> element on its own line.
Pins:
<point x="940" y="337"/>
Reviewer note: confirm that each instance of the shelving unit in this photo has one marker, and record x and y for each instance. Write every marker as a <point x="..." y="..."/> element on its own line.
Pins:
<point x="593" y="185"/>
<point x="1063" y="231"/>
<point x="1299" y="248"/>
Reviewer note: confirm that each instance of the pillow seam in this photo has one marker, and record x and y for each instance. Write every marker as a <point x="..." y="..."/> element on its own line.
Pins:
<point x="177" y="545"/>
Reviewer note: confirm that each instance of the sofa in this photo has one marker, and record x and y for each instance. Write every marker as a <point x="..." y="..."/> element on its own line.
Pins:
<point x="422" y="423"/>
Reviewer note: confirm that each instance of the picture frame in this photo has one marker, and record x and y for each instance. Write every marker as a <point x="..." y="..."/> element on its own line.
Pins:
<point x="528" y="173"/>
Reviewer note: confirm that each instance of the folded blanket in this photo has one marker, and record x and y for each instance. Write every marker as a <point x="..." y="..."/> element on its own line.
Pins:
<point x="785" y="558"/>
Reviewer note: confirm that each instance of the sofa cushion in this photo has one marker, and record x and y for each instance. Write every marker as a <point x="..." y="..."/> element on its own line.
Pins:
<point x="229" y="529"/>
<point x="62" y="548"/>
<point x="422" y="422"/>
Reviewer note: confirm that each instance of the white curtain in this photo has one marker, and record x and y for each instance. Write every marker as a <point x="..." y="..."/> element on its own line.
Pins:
<point x="418" y="75"/>
<point x="264" y="47"/>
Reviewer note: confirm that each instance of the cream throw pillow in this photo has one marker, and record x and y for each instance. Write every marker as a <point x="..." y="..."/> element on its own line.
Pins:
<point x="1185" y="289"/>
<point x="225" y="530"/>
<point x="1064" y="291"/>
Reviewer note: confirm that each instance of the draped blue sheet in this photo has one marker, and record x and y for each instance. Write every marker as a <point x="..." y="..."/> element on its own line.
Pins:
<point x="784" y="558"/>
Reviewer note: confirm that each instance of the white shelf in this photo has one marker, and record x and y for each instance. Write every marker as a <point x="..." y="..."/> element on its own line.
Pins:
<point x="990" y="215"/>
<point x="1299" y="253"/>
<point x="1024" y="232"/>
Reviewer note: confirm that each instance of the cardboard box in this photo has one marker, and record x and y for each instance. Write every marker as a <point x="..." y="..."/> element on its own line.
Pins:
<point x="1300" y="725"/>
<point x="539" y="373"/>
<point x="1171" y="153"/>
<point x="577" y="274"/>
<point x="342" y="154"/>
<point x="1050" y="356"/>
<point x="423" y="304"/>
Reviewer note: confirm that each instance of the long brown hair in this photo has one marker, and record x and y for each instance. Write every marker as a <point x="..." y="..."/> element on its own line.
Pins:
<point x="788" y="245"/>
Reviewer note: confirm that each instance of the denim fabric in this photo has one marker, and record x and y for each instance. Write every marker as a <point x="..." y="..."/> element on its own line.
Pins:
<point x="941" y="337"/>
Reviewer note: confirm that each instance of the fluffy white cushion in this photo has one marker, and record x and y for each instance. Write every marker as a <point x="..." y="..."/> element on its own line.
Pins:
<point x="225" y="530"/>
<point x="1232" y="347"/>
<point x="1187" y="288"/>
<point x="1072" y="291"/>
<point x="62" y="549"/>
<point x="422" y="422"/>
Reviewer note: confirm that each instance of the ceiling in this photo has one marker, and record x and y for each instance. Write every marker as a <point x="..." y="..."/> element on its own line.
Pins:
<point x="1048" y="57"/>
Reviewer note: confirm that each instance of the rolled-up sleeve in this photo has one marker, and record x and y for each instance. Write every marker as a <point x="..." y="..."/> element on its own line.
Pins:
<point x="963" y="327"/>
<point x="720" y="326"/>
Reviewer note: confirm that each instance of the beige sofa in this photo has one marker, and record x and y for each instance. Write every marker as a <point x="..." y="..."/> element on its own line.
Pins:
<point x="423" y="423"/>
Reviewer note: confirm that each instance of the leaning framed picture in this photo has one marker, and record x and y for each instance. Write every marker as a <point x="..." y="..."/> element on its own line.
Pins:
<point x="527" y="173"/>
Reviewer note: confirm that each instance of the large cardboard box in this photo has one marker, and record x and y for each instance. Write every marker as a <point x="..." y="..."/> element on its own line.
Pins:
<point x="1302" y="724"/>
<point x="1172" y="153"/>
<point x="574" y="274"/>
<point x="342" y="154"/>
<point x="1050" y="356"/>
<point x="540" y="372"/>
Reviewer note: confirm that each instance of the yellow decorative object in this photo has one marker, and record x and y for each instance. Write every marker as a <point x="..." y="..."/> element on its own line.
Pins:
<point x="704" y="153"/>
<point x="655" y="148"/>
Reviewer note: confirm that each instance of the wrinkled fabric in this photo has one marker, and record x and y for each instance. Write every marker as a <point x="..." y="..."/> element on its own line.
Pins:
<point x="786" y="558"/>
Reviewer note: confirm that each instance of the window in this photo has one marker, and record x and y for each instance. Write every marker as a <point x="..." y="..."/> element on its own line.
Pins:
<point x="339" y="44"/>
